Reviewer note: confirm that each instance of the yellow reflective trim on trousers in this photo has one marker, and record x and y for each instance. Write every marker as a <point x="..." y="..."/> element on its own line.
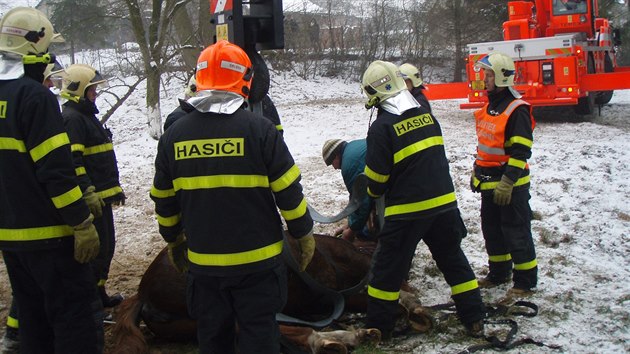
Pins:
<point x="517" y="163"/>
<point x="500" y="258"/>
<point x="233" y="259"/>
<point x="420" y="206"/>
<point x="286" y="179"/>
<point x="77" y="147"/>
<point x="492" y="185"/>
<point x="375" y="176"/>
<point x="162" y="193"/>
<point x="110" y="192"/>
<point x="67" y="198"/>
<point x="12" y="144"/>
<point x="168" y="221"/>
<point x="101" y="282"/>
<point x="49" y="145"/>
<point x="298" y="212"/>
<point x="97" y="149"/>
<point x="79" y="171"/>
<point x="417" y="147"/>
<point x="12" y="322"/>
<point x="383" y="295"/>
<point x="218" y="181"/>
<point x="519" y="140"/>
<point x="464" y="287"/>
<point x="36" y="233"/>
<point x="526" y="265"/>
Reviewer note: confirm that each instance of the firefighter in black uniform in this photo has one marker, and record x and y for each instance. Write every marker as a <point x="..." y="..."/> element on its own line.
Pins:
<point x="412" y="77"/>
<point x="406" y="162"/>
<point x="221" y="172"/>
<point x="46" y="231"/>
<point x="95" y="164"/>
<point x="505" y="135"/>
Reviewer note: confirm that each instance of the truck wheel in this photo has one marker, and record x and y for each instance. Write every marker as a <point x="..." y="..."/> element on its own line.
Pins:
<point x="260" y="82"/>
<point x="586" y="105"/>
<point x="603" y="97"/>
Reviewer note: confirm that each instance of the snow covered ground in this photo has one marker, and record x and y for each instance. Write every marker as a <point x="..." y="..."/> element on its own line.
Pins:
<point x="580" y="193"/>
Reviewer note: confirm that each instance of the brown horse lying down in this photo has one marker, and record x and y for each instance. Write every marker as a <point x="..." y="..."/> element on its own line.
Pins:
<point x="336" y="264"/>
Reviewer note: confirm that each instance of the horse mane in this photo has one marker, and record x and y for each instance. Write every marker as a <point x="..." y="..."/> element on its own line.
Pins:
<point x="128" y="338"/>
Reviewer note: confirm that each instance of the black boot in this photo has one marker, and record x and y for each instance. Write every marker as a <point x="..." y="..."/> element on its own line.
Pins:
<point x="109" y="301"/>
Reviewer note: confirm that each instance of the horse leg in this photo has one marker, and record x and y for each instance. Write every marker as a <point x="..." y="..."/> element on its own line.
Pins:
<point x="420" y="318"/>
<point x="353" y="338"/>
<point x="128" y="339"/>
<point x="311" y="341"/>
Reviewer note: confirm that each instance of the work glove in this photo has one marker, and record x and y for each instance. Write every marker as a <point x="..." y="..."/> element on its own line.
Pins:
<point x="86" y="243"/>
<point x="307" y="248"/>
<point x="178" y="253"/>
<point x="94" y="201"/>
<point x="503" y="192"/>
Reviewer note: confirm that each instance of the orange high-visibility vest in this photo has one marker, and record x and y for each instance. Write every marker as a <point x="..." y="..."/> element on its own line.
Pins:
<point x="491" y="135"/>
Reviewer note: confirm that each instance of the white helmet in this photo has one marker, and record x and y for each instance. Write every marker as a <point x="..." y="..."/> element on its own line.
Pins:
<point x="503" y="67"/>
<point x="78" y="78"/>
<point x="412" y="73"/>
<point x="381" y="81"/>
<point x="26" y="31"/>
<point x="55" y="72"/>
<point x="191" y="88"/>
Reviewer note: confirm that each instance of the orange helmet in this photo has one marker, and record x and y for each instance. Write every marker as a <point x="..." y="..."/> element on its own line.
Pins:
<point x="224" y="66"/>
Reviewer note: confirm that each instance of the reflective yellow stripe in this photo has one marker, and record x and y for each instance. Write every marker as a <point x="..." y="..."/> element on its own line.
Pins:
<point x="295" y="213"/>
<point x="375" y="176"/>
<point x="279" y="127"/>
<point x="492" y="185"/>
<point x="162" y="193"/>
<point x="371" y="194"/>
<point x="526" y="266"/>
<point x="35" y="233"/>
<point x="234" y="181"/>
<point x="110" y="192"/>
<point x="77" y="147"/>
<point x="67" y="198"/>
<point x="97" y="149"/>
<point x="101" y="282"/>
<point x="12" y="322"/>
<point x="168" y="221"/>
<point x="417" y="147"/>
<point x="500" y="258"/>
<point x="383" y="295"/>
<point x="232" y="259"/>
<point x="420" y="206"/>
<point x="519" y="140"/>
<point x="286" y="179"/>
<point x="49" y="145"/>
<point x="464" y="287"/>
<point x="12" y="144"/>
<point x="79" y="171"/>
<point x="517" y="163"/>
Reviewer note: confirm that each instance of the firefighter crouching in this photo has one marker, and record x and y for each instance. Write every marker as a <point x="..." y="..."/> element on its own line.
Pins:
<point x="46" y="231"/>
<point x="406" y="162"/>
<point x="505" y="135"/>
<point x="95" y="164"/>
<point x="221" y="173"/>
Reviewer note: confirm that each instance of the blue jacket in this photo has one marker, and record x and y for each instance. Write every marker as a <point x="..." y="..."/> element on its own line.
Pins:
<point x="353" y="164"/>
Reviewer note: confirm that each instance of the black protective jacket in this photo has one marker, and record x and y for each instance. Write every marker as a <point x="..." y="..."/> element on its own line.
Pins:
<point x="92" y="150"/>
<point x="221" y="178"/>
<point x="39" y="196"/>
<point x="406" y="162"/>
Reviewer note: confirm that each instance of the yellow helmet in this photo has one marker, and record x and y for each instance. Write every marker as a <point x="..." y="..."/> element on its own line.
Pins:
<point x="26" y="31"/>
<point x="502" y="66"/>
<point x="78" y="78"/>
<point x="412" y="73"/>
<point x="381" y="81"/>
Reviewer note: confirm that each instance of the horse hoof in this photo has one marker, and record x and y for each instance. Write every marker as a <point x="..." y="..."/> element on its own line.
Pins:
<point x="370" y="336"/>
<point x="420" y="320"/>
<point x="331" y="347"/>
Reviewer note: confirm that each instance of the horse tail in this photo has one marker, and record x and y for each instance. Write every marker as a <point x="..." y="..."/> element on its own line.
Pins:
<point x="128" y="338"/>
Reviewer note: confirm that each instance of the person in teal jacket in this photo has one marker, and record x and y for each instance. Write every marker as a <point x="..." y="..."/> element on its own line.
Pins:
<point x="349" y="157"/>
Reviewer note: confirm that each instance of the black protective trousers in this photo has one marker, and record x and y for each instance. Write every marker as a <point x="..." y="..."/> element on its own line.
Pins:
<point x="397" y="243"/>
<point x="249" y="302"/>
<point x="507" y="231"/>
<point x="107" y="238"/>
<point x="56" y="297"/>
